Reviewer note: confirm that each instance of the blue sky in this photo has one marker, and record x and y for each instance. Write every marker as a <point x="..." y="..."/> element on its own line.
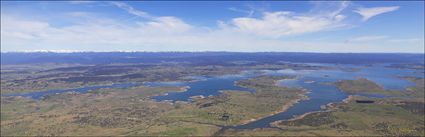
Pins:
<point x="245" y="26"/>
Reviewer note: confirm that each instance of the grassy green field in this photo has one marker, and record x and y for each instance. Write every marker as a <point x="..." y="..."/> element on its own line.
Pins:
<point x="365" y="86"/>
<point x="132" y="112"/>
<point x="103" y="112"/>
<point x="397" y="116"/>
<point x="384" y="118"/>
<point x="241" y="106"/>
<point x="40" y="77"/>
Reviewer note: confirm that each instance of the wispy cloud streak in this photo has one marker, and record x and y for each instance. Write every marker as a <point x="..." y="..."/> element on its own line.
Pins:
<point x="368" y="13"/>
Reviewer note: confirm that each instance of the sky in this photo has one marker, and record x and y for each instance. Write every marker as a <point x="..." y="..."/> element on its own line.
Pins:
<point x="237" y="26"/>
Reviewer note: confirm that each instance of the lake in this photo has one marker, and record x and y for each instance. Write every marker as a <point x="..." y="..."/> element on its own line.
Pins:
<point x="316" y="81"/>
<point x="37" y="95"/>
<point x="204" y="86"/>
<point x="322" y="94"/>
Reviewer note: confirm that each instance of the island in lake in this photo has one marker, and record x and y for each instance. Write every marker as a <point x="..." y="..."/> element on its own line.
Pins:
<point x="211" y="94"/>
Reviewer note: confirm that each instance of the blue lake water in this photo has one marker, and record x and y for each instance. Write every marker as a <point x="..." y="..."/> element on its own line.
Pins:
<point x="316" y="81"/>
<point x="203" y="86"/>
<point x="322" y="93"/>
<point x="37" y="95"/>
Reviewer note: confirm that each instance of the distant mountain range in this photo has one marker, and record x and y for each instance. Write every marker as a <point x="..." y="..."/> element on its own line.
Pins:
<point x="205" y="57"/>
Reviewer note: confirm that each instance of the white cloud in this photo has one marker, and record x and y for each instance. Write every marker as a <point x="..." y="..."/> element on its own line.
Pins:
<point x="383" y="39"/>
<point x="284" y="23"/>
<point x="24" y="30"/>
<point x="92" y="31"/>
<point x="366" y="38"/>
<point x="165" y="33"/>
<point x="166" y="24"/>
<point x="368" y="13"/>
<point x="131" y="9"/>
<point x="277" y="24"/>
<point x="157" y="24"/>
<point x="407" y="40"/>
<point x="111" y="37"/>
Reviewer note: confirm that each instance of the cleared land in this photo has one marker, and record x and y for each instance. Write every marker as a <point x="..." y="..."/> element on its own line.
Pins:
<point x="238" y="107"/>
<point x="29" y="78"/>
<point x="384" y="117"/>
<point x="132" y="112"/>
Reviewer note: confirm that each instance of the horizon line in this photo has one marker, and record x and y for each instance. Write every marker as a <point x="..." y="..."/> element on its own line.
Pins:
<point x="129" y="51"/>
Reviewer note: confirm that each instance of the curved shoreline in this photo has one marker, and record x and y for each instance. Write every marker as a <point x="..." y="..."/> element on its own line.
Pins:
<point x="329" y="108"/>
<point x="285" y="107"/>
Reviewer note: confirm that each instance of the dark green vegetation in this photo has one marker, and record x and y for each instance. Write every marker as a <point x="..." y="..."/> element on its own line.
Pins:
<point x="417" y="91"/>
<point x="397" y="116"/>
<point x="26" y="78"/>
<point x="131" y="111"/>
<point x="366" y="86"/>
<point x="384" y="118"/>
<point x="237" y="107"/>
<point x="361" y="85"/>
<point x="121" y="112"/>
<point x="408" y="66"/>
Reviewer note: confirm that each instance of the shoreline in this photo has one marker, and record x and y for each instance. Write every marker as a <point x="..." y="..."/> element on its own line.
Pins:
<point x="329" y="107"/>
<point x="285" y="107"/>
<point x="184" y="89"/>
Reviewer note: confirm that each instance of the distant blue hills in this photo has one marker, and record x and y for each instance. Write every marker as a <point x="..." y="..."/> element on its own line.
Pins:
<point x="212" y="58"/>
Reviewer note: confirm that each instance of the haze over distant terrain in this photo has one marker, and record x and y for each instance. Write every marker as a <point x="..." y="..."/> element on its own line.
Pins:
<point x="300" y="26"/>
<point x="213" y="68"/>
<point x="216" y="58"/>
